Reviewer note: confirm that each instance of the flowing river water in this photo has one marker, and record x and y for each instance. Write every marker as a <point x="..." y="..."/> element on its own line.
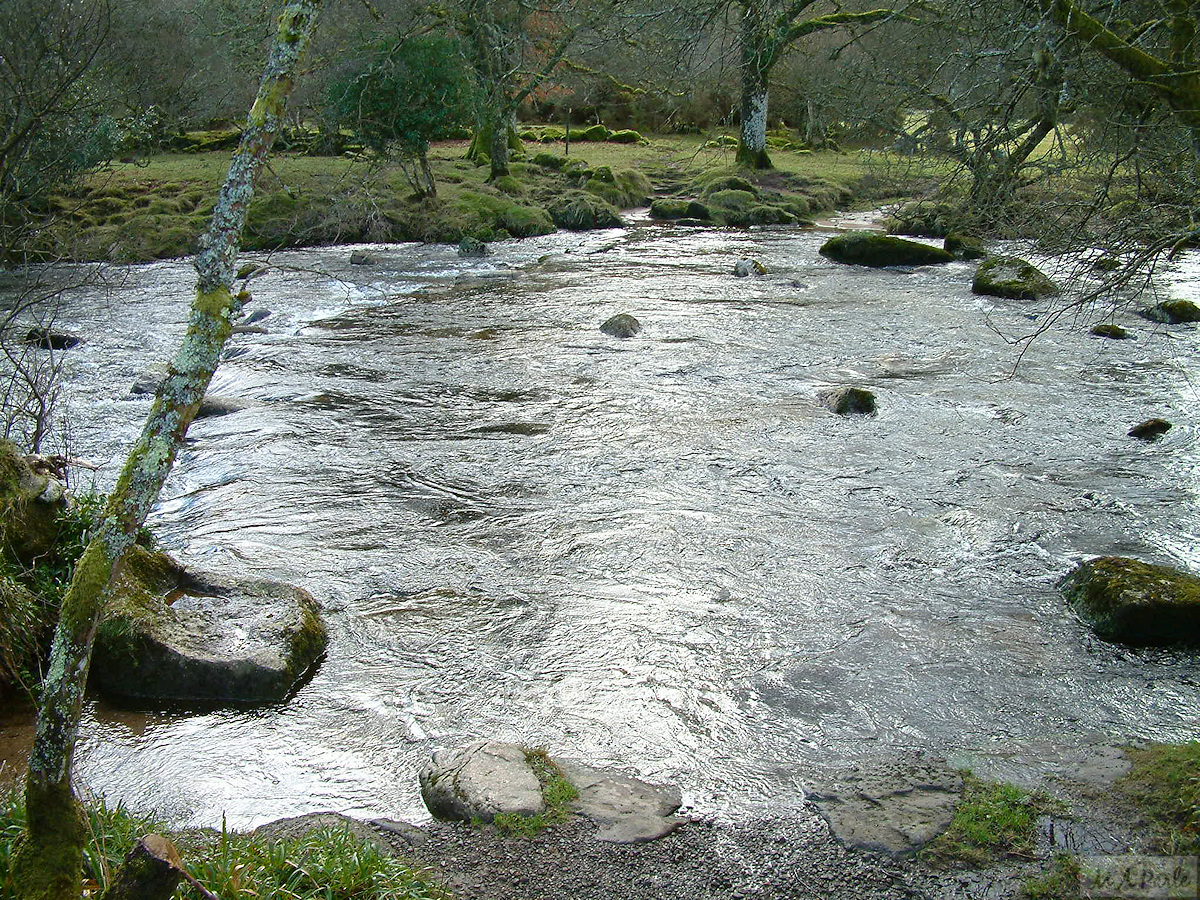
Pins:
<point x="659" y="553"/>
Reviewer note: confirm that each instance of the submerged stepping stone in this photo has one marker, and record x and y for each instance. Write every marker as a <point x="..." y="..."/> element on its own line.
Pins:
<point x="895" y="809"/>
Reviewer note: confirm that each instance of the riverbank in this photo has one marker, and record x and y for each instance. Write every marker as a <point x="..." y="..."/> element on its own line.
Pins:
<point x="156" y="208"/>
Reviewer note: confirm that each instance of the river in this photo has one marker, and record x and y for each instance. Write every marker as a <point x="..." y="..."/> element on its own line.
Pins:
<point x="659" y="553"/>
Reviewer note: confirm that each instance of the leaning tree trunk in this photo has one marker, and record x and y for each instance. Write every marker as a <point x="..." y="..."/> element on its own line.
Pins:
<point x="48" y="861"/>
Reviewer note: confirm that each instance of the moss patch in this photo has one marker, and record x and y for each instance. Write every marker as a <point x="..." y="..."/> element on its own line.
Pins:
<point x="557" y="793"/>
<point x="1135" y="602"/>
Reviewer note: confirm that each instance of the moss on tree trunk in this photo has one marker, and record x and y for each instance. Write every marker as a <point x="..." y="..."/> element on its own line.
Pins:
<point x="47" y="864"/>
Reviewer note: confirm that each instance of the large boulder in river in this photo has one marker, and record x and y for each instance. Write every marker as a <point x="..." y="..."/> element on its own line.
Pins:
<point x="490" y="779"/>
<point x="31" y="498"/>
<point x="1012" y="278"/>
<point x="1134" y="602"/>
<point x="622" y="325"/>
<point x="870" y="248"/>
<point x="171" y="634"/>
<point x="1172" y="312"/>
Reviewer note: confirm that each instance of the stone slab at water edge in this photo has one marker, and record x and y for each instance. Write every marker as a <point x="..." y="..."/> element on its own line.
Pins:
<point x="1134" y="602"/>
<point x="487" y="779"/>
<point x="869" y="248"/>
<point x="171" y="634"/>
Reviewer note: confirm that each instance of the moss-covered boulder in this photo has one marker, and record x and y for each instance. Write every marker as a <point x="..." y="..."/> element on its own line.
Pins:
<point x="715" y="183"/>
<point x="870" y="248"/>
<point x="31" y="498"/>
<point x="549" y="160"/>
<point x="583" y="211"/>
<point x="1150" y="430"/>
<point x="671" y="208"/>
<point x="1012" y="278"/>
<point x="1133" y="602"/>
<point x="171" y="634"/>
<point x="964" y="246"/>
<point x="625" y="136"/>
<point x="1172" y="312"/>
<point x="848" y="401"/>
<point x="622" y="325"/>
<point x="922" y="218"/>
<point x="1111" y="331"/>
<point x="471" y="246"/>
<point x="596" y="133"/>
<point x="767" y="214"/>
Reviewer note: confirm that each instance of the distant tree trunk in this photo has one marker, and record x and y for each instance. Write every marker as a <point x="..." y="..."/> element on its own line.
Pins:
<point x="499" y="146"/>
<point x="48" y="860"/>
<point x="755" y="71"/>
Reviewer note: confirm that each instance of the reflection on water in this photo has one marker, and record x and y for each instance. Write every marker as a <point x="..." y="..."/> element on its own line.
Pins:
<point x="659" y="552"/>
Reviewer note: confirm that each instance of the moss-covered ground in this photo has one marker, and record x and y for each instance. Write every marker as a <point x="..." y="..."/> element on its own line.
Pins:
<point x="157" y="207"/>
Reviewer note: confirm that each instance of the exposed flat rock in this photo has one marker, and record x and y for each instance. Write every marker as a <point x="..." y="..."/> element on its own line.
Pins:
<point x="172" y="634"/>
<point x="895" y="809"/>
<point x="627" y="810"/>
<point x="480" y="781"/>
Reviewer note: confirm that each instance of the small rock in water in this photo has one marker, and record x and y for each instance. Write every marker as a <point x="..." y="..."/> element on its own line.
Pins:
<point x="255" y="315"/>
<point x="848" y="401"/>
<point x="212" y="406"/>
<point x="1111" y="331"/>
<point x="746" y="267"/>
<point x="358" y="258"/>
<point x="49" y="339"/>
<point x="622" y="325"/>
<point x="472" y="247"/>
<point x="1150" y="430"/>
<point x="248" y="270"/>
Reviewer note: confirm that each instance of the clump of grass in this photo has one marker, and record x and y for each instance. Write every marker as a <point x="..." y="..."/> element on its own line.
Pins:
<point x="1164" y="783"/>
<point x="1060" y="882"/>
<point x="557" y="793"/>
<point x="992" y="821"/>
<point x="325" y="864"/>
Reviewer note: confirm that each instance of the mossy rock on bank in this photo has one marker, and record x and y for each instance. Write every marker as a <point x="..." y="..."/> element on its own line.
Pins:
<point x="583" y="211"/>
<point x="923" y="218"/>
<point x="1172" y="312"/>
<point x="31" y="500"/>
<point x="1013" y="279"/>
<point x="671" y="208"/>
<point x="622" y="189"/>
<point x="1133" y="602"/>
<point x="549" y="161"/>
<point x="171" y="634"/>
<point x="870" y="248"/>
<point x="626" y="136"/>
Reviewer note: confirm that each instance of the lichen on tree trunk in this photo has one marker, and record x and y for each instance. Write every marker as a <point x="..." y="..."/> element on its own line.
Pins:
<point x="47" y="864"/>
<point x="752" y="146"/>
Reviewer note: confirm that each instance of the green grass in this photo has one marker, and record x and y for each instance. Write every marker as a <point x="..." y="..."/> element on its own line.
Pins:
<point x="1164" y="784"/>
<point x="557" y="793"/>
<point x="1060" y="882"/>
<point x="991" y="822"/>
<point x="325" y="864"/>
<point x="157" y="208"/>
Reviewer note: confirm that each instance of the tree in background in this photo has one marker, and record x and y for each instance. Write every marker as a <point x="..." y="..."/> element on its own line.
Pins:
<point x="408" y="93"/>
<point x="53" y="125"/>
<point x="47" y="865"/>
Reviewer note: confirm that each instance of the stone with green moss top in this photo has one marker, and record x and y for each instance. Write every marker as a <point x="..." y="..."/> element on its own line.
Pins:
<point x="30" y="504"/>
<point x="1133" y="602"/>
<point x="171" y="634"/>
<point x="583" y="211"/>
<point x="1173" y="312"/>
<point x="1012" y="278"/>
<point x="870" y="248"/>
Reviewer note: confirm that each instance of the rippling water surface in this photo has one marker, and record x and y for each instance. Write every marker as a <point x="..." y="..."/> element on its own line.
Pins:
<point x="659" y="552"/>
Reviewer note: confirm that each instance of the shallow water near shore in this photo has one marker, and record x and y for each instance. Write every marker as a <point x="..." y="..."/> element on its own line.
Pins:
<point x="659" y="553"/>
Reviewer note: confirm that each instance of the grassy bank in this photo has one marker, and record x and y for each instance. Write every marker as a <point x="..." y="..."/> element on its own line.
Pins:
<point x="156" y="208"/>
